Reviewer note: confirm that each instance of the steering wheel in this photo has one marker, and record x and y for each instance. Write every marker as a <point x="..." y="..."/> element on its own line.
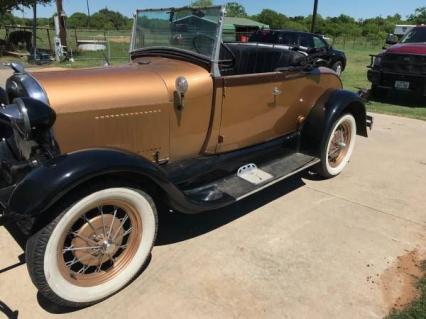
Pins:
<point x="203" y="44"/>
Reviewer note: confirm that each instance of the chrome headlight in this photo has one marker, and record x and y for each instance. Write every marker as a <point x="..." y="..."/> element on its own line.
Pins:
<point x="28" y="116"/>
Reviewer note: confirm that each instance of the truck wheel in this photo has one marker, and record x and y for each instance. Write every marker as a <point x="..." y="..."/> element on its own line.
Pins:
<point x="338" y="68"/>
<point x="94" y="247"/>
<point x="338" y="148"/>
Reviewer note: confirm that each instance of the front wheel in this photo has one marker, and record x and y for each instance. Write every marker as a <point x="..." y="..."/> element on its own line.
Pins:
<point x="338" y="148"/>
<point x="338" y="68"/>
<point x="94" y="247"/>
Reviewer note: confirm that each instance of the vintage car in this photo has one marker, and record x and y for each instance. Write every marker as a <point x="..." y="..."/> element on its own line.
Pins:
<point x="401" y="67"/>
<point x="190" y="124"/>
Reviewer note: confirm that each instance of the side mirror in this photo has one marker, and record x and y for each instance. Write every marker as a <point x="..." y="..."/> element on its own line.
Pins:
<point x="392" y="39"/>
<point x="181" y="86"/>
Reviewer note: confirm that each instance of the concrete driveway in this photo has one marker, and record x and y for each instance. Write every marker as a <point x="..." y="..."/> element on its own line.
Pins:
<point x="305" y="248"/>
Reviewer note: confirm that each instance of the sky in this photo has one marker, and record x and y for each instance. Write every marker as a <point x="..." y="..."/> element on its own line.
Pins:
<point x="354" y="8"/>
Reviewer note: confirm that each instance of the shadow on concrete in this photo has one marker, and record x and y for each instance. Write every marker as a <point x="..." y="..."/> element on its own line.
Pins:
<point x="21" y="261"/>
<point x="9" y="313"/>
<point x="176" y="227"/>
<point x="53" y="308"/>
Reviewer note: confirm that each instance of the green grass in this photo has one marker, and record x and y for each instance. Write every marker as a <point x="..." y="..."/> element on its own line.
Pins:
<point x="417" y="309"/>
<point x="355" y="77"/>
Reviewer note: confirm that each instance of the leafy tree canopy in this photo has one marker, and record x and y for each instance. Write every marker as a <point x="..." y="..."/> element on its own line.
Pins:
<point x="234" y="9"/>
<point x="9" y="5"/>
<point x="202" y="3"/>
<point x="419" y="17"/>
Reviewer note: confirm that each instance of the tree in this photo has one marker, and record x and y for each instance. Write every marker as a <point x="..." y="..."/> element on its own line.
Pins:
<point x="272" y="18"/>
<point x="234" y="9"/>
<point x="78" y="20"/>
<point x="419" y="17"/>
<point x="108" y="20"/>
<point x="9" y="5"/>
<point x="202" y="3"/>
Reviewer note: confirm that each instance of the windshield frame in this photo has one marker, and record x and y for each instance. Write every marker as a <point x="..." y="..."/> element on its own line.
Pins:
<point x="213" y="59"/>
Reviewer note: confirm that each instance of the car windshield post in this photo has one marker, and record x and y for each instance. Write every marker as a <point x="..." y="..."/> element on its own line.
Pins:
<point x="190" y="29"/>
<point x="217" y="46"/>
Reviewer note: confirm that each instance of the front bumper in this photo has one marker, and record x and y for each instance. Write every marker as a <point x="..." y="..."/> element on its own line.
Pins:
<point x="387" y="80"/>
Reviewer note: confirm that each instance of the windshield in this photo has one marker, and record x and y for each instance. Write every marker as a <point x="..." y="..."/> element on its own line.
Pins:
<point x="417" y="35"/>
<point x="190" y="29"/>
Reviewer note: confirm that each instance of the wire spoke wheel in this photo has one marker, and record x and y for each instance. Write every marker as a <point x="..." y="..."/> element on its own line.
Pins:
<point x="96" y="244"/>
<point x="338" y="147"/>
<point x="100" y="243"/>
<point x="340" y="143"/>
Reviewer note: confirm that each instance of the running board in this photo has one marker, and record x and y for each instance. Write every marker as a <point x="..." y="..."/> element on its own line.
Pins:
<point x="251" y="179"/>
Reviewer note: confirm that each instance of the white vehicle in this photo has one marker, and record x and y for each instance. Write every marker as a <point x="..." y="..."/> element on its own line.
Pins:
<point x="401" y="30"/>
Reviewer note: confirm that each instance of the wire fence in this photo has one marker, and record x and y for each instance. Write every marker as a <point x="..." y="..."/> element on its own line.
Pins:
<point x="95" y="47"/>
<point x="91" y="46"/>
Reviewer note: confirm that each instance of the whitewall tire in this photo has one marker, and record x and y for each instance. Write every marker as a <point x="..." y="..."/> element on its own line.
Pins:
<point x="338" y="147"/>
<point x="93" y="248"/>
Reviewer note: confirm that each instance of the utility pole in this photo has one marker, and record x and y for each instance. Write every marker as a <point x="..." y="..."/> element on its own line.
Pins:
<point x="314" y="16"/>
<point x="88" y="15"/>
<point x="34" y="31"/>
<point x="61" y="17"/>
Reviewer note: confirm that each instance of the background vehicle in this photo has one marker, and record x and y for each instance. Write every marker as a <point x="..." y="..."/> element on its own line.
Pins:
<point x="191" y="123"/>
<point x="402" y="67"/>
<point x="312" y="43"/>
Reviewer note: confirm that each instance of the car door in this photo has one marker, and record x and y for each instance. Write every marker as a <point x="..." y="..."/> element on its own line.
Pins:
<point x="257" y="108"/>
<point x="306" y="40"/>
<point x="321" y="45"/>
<point x="250" y="110"/>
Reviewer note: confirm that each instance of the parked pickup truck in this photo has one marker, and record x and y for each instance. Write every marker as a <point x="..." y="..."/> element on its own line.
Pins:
<point x="401" y="67"/>
<point x="190" y="124"/>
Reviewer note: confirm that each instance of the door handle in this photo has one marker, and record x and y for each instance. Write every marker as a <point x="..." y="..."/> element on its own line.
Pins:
<point x="276" y="91"/>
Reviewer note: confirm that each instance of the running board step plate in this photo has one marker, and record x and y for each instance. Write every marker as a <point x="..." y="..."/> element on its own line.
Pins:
<point x="250" y="179"/>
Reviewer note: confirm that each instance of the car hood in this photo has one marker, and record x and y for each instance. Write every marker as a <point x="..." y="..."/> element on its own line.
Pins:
<point x="150" y="81"/>
<point x="408" y="48"/>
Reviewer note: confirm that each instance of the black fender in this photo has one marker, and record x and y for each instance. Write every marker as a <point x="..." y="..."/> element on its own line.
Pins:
<point x="47" y="184"/>
<point x="3" y="97"/>
<point x="325" y="113"/>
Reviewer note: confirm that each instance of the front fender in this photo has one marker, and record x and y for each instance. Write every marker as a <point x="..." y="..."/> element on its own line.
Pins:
<point x="3" y="97"/>
<point x="47" y="184"/>
<point x="325" y="113"/>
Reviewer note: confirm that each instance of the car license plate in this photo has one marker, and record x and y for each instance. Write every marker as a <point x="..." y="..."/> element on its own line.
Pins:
<point x="403" y="85"/>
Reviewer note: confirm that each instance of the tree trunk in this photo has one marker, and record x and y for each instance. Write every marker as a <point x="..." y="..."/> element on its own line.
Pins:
<point x="61" y="17"/>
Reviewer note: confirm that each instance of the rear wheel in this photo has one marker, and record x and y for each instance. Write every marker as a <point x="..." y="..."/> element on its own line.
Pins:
<point x="94" y="247"/>
<point x="339" y="146"/>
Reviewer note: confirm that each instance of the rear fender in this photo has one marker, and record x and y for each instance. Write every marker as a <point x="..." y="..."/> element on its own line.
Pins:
<point x="325" y="113"/>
